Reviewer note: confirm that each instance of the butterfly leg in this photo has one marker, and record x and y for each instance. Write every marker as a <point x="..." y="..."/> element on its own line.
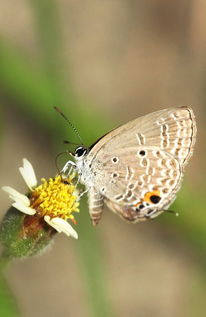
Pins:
<point x="70" y="164"/>
<point x="95" y="206"/>
<point x="82" y="193"/>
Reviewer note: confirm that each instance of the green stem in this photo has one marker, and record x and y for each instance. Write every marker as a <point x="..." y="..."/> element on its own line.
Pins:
<point x="5" y="259"/>
<point x="8" y="305"/>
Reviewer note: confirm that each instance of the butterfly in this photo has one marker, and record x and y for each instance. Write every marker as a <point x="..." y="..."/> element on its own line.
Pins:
<point x="137" y="168"/>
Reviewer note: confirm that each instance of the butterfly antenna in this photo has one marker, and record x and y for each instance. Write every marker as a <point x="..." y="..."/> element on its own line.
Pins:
<point x="71" y="125"/>
<point x="68" y="142"/>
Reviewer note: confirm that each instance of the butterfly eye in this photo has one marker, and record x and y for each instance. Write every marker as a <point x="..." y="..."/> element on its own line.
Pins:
<point x="80" y="151"/>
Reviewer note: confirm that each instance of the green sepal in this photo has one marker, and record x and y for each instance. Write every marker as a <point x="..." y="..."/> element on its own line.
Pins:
<point x="23" y="235"/>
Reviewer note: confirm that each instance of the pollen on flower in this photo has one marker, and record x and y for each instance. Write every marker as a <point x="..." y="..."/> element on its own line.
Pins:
<point x="56" y="197"/>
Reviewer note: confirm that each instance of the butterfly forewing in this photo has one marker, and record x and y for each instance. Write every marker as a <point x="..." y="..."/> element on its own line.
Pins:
<point x="172" y="130"/>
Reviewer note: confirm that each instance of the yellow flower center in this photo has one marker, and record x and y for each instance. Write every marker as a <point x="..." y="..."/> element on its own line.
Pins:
<point x="56" y="197"/>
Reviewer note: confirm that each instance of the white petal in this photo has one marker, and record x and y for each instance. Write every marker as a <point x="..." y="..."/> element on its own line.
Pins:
<point x="16" y="196"/>
<point x="26" y="210"/>
<point x="61" y="225"/>
<point x="28" y="174"/>
<point x="49" y="221"/>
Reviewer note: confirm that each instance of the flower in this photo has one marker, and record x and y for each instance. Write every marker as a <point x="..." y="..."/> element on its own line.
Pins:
<point x="54" y="201"/>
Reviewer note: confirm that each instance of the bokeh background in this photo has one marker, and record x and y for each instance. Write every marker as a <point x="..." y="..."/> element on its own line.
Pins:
<point x="103" y="63"/>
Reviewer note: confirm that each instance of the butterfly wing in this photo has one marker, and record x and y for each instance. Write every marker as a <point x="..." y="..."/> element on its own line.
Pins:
<point x="173" y="130"/>
<point x="138" y="167"/>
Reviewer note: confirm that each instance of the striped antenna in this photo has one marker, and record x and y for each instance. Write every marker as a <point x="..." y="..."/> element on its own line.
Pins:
<point x="71" y="125"/>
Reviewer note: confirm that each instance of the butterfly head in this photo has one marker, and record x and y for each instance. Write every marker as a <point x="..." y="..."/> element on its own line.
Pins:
<point x="80" y="152"/>
<point x="83" y="166"/>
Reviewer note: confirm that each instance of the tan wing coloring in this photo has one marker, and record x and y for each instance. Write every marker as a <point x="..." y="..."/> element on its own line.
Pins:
<point x="139" y="166"/>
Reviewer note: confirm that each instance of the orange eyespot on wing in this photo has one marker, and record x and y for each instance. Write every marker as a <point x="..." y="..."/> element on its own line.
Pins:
<point x="152" y="197"/>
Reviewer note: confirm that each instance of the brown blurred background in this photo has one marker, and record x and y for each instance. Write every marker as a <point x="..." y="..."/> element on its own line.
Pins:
<point x="125" y="58"/>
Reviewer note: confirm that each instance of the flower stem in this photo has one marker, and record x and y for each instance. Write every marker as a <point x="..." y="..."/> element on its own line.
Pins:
<point x="5" y="259"/>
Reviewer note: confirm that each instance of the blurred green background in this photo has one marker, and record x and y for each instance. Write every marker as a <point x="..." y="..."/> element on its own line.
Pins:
<point x="103" y="63"/>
